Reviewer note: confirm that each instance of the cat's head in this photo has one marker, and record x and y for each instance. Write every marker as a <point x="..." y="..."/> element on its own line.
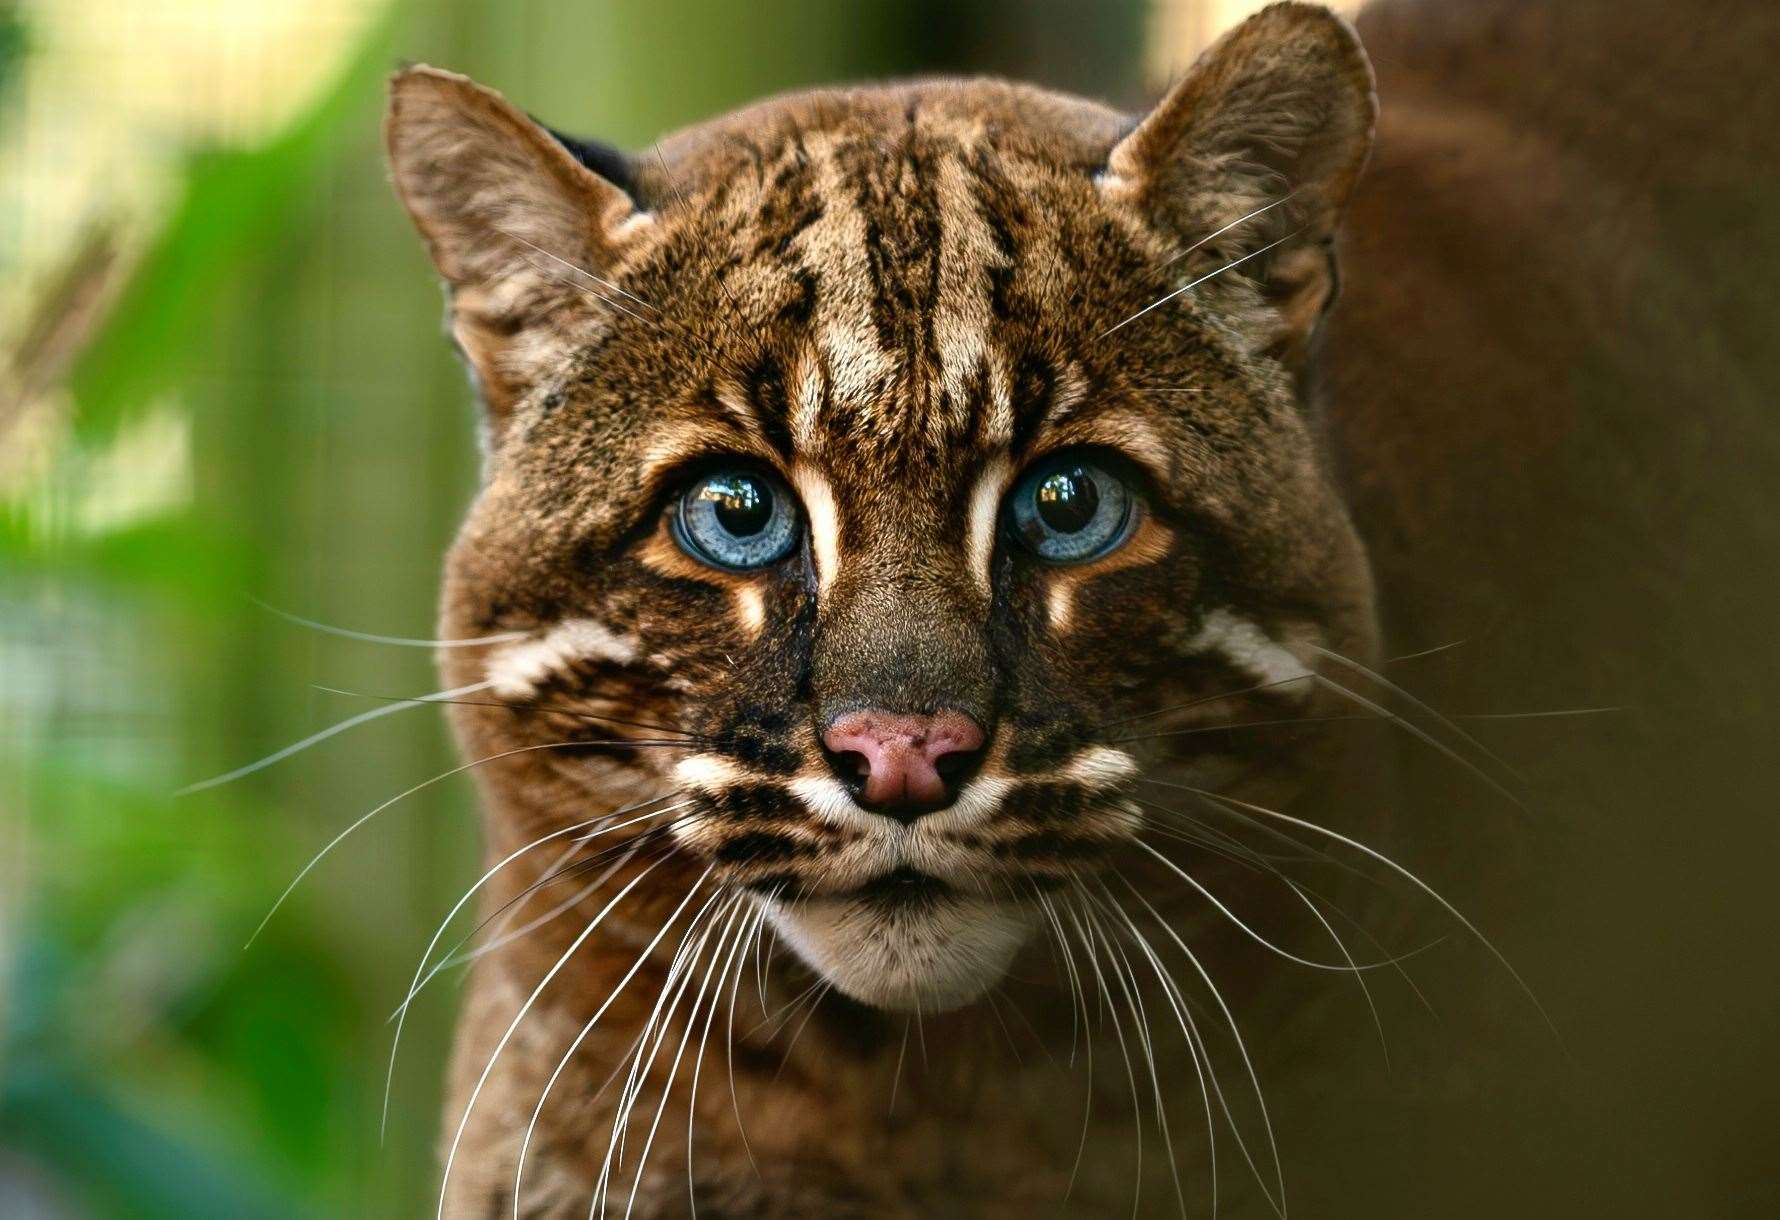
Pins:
<point x="924" y="464"/>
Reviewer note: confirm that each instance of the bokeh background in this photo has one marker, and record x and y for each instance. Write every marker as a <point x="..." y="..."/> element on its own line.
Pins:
<point x="223" y="383"/>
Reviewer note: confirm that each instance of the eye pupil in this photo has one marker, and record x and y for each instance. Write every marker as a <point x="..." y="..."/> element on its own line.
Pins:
<point x="1068" y="500"/>
<point x="743" y="506"/>
<point x="737" y="520"/>
<point x="1071" y="509"/>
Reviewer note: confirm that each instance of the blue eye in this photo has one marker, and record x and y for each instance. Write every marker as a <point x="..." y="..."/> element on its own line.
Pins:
<point x="737" y="519"/>
<point x="1069" y="509"/>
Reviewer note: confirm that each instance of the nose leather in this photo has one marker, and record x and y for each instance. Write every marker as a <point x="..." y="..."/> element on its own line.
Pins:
<point x="901" y="756"/>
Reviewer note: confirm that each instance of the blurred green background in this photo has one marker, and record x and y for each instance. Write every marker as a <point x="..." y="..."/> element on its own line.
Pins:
<point x="223" y="378"/>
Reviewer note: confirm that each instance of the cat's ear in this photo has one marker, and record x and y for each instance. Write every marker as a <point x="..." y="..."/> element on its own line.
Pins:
<point x="1259" y="144"/>
<point x="514" y="219"/>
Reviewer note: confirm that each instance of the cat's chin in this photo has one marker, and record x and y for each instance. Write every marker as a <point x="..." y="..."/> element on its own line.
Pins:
<point x="929" y="956"/>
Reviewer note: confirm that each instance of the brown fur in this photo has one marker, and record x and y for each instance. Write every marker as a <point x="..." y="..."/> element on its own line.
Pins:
<point x="891" y="293"/>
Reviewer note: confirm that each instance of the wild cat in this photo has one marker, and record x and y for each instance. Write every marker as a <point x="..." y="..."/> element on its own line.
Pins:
<point x="923" y="611"/>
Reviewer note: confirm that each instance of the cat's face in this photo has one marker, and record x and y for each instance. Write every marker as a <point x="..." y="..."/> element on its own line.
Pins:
<point x="828" y="445"/>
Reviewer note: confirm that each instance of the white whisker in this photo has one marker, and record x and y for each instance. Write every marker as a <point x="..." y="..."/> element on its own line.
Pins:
<point x="1189" y="1031"/>
<point x="418" y="982"/>
<point x="1421" y="706"/>
<point x="1127" y="980"/>
<point x="752" y="948"/>
<point x="337" y="839"/>
<point x="1248" y="931"/>
<point x="488" y="1068"/>
<point x="667" y="1003"/>
<point x="1076" y="915"/>
<point x="648" y="949"/>
<point x="1278" y="1201"/>
<point x="1212" y="275"/>
<point x="1414" y="880"/>
<point x="331" y="731"/>
<point x="398" y="640"/>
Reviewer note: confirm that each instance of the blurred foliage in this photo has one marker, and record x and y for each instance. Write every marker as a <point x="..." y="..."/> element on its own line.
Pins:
<point x="247" y="396"/>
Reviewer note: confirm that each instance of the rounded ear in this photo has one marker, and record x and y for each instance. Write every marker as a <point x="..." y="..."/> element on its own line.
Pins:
<point x="1257" y="148"/>
<point x="514" y="221"/>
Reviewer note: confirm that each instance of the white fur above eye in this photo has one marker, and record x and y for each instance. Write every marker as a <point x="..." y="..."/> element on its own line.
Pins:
<point x="517" y="670"/>
<point x="926" y="956"/>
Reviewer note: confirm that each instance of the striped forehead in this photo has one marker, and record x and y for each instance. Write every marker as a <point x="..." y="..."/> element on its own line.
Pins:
<point x="890" y="248"/>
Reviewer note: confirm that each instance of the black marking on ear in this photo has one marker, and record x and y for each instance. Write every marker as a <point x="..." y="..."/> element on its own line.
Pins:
<point x="604" y="160"/>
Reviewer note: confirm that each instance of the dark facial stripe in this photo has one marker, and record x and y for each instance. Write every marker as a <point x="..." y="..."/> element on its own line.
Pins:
<point x="761" y="847"/>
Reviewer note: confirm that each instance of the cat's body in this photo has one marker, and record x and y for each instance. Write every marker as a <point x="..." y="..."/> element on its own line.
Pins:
<point x="892" y="298"/>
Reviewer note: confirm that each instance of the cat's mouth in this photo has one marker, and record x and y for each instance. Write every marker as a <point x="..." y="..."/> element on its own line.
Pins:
<point x="903" y="888"/>
<point x="906" y="940"/>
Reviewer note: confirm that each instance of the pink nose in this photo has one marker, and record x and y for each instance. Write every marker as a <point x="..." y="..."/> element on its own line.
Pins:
<point x="906" y="764"/>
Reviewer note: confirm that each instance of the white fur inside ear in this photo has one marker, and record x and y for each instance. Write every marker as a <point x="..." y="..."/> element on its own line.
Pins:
<point x="517" y="670"/>
<point x="925" y="957"/>
<point x="1249" y="648"/>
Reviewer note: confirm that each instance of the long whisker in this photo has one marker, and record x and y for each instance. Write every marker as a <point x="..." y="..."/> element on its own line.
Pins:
<point x="679" y="980"/>
<point x="332" y="730"/>
<point x="407" y="792"/>
<point x="1299" y="848"/>
<point x="1425" y="652"/>
<point x="1217" y="233"/>
<point x="581" y="1036"/>
<point x="1421" y="734"/>
<point x="654" y="1033"/>
<point x="1365" y="672"/>
<point x="398" y="640"/>
<point x="414" y="987"/>
<point x="735" y="1104"/>
<point x="528" y="706"/>
<point x="1210" y="275"/>
<point x="1414" y="880"/>
<point x="1278" y="1201"/>
<point x="667" y="1088"/>
<point x="509" y="910"/>
<point x="645" y="838"/>
<point x="734" y="959"/>
<point x="1238" y="724"/>
<point x="488" y="1068"/>
<point x="1248" y="931"/>
<point x="1076" y="916"/>
<point x="1554" y="713"/>
<point x="1199" y="702"/>
<point x="420" y="970"/>
<point x="1127" y="979"/>
<point x="1307" y="896"/>
<point x="1189" y="1031"/>
<point x="595" y="293"/>
<point x="1358" y="973"/>
<point x="580" y="271"/>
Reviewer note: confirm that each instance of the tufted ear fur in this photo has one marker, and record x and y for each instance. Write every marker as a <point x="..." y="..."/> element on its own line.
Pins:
<point x="1278" y="112"/>
<point x="514" y="219"/>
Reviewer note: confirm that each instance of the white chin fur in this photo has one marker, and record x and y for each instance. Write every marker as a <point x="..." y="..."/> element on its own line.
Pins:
<point x="925" y="957"/>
